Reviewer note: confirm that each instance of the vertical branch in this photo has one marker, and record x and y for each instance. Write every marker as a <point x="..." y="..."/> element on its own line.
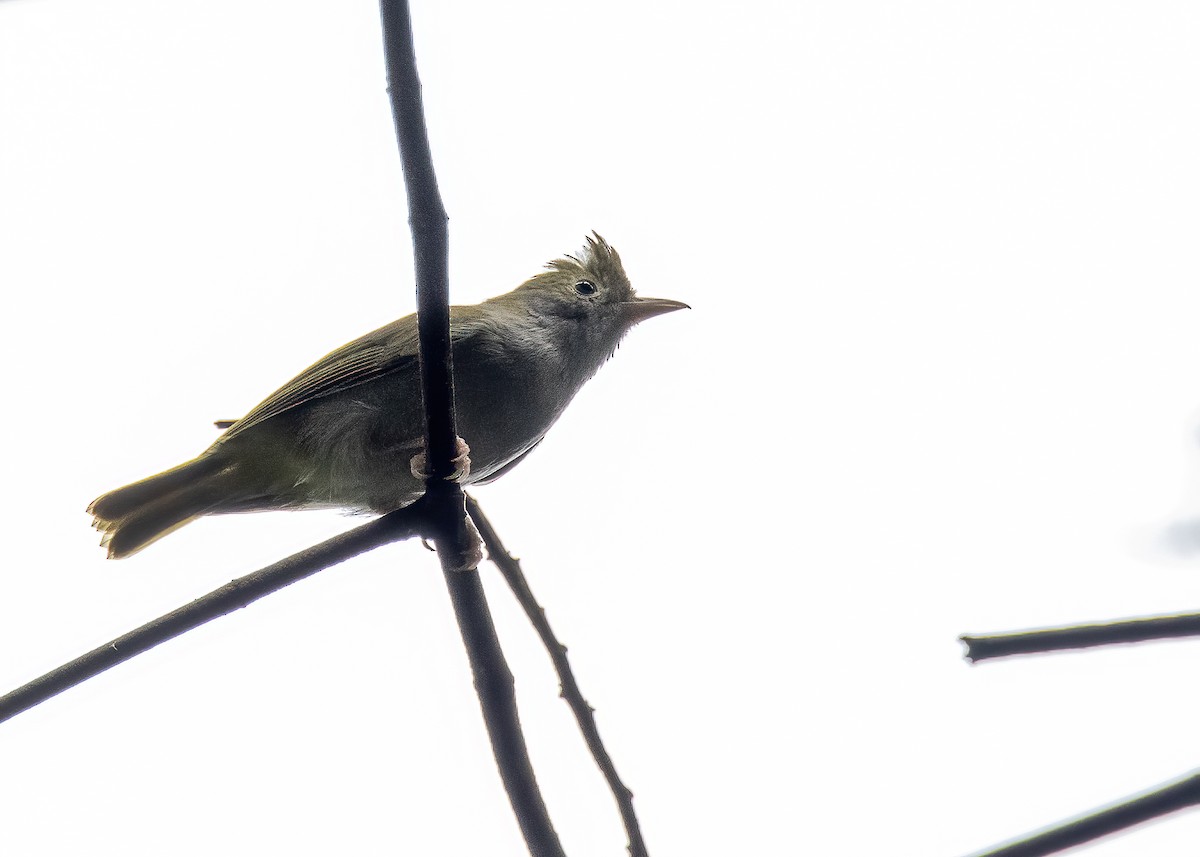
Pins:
<point x="427" y="217"/>
<point x="431" y="238"/>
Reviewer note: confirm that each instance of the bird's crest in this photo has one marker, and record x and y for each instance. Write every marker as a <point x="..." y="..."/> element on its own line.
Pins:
<point x="598" y="260"/>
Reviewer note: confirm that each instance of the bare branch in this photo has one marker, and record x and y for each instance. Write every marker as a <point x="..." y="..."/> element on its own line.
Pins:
<point x="1170" y="798"/>
<point x="495" y="687"/>
<point x="430" y="236"/>
<point x="395" y="526"/>
<point x="984" y="646"/>
<point x="510" y="567"/>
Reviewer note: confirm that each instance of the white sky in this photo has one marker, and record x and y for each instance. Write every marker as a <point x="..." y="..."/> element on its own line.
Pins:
<point x="942" y="375"/>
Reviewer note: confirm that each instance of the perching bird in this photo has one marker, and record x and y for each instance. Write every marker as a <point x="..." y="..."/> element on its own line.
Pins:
<point x="344" y="432"/>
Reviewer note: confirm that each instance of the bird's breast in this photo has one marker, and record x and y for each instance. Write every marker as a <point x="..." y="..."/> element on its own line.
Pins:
<point x="509" y="388"/>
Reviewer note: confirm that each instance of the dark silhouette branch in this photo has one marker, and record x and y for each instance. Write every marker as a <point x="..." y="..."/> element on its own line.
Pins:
<point x="455" y="540"/>
<point x="495" y="687"/>
<point x="1159" y="802"/>
<point x="430" y="237"/>
<point x="510" y="567"/>
<point x="401" y="524"/>
<point x="983" y="646"/>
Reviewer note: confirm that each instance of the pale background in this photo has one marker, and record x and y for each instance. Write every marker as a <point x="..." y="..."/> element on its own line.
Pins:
<point x="942" y="375"/>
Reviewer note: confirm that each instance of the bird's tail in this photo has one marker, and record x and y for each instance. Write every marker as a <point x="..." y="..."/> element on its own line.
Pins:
<point x="140" y="514"/>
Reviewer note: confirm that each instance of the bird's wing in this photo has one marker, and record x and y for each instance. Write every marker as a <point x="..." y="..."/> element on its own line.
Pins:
<point x="389" y="349"/>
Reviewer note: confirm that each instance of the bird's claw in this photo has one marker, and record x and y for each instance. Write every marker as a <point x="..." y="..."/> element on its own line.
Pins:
<point x="461" y="461"/>
<point x="472" y="554"/>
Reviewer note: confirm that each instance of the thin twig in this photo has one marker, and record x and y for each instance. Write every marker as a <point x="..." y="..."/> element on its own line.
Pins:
<point x="395" y="526"/>
<point x="510" y="567"/>
<point x="455" y="540"/>
<point x="984" y="646"/>
<point x="1172" y="797"/>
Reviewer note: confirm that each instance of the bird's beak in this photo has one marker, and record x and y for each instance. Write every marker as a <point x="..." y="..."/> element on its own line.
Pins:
<point x="640" y="309"/>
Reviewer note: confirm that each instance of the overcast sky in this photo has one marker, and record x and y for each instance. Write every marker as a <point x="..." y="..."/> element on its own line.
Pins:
<point x="942" y="375"/>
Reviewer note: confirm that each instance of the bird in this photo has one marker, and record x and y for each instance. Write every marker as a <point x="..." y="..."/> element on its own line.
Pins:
<point x="348" y="432"/>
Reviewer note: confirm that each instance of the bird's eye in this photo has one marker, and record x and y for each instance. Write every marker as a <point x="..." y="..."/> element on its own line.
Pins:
<point x="584" y="287"/>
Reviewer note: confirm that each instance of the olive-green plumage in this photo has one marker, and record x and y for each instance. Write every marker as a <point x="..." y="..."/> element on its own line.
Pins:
<point x="343" y="433"/>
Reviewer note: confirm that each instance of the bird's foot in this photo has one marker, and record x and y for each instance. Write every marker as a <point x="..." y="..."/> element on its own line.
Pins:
<point x="461" y="462"/>
<point x="470" y="545"/>
<point x="472" y="548"/>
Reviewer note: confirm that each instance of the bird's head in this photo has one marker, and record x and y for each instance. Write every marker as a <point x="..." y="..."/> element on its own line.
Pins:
<point x="592" y="289"/>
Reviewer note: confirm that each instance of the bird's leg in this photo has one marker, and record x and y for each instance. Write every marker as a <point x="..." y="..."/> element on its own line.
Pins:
<point x="461" y="462"/>
<point x="468" y="538"/>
